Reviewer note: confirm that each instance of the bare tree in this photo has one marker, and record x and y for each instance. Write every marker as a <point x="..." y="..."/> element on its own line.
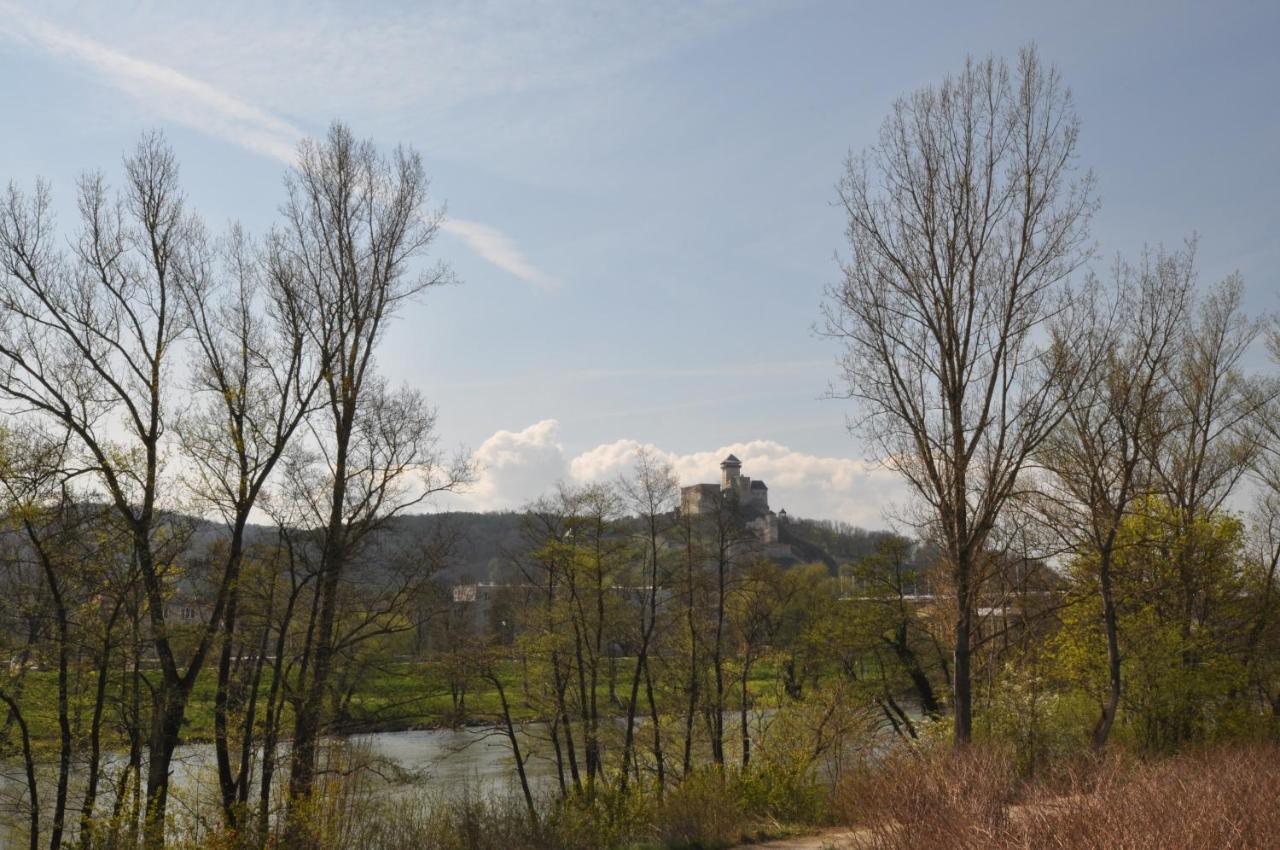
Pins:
<point x="964" y="224"/>
<point x="290" y="579"/>
<point x="29" y="766"/>
<point x="354" y="224"/>
<point x="651" y="492"/>
<point x="489" y="671"/>
<point x="588" y="559"/>
<point x="727" y="547"/>
<point x="1211" y="421"/>
<point x="1262" y="635"/>
<point x="575" y="566"/>
<point x="256" y="379"/>
<point x="693" y="592"/>
<point x="90" y="343"/>
<point x="1098" y="461"/>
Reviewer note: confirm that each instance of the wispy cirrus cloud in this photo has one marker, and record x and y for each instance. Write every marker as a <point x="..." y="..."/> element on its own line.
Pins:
<point x="216" y="112"/>
<point x="180" y="98"/>
<point x="498" y="248"/>
<point x="315" y="56"/>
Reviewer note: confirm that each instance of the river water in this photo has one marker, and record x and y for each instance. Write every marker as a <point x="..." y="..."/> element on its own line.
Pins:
<point x="474" y="761"/>
<point x="470" y="760"/>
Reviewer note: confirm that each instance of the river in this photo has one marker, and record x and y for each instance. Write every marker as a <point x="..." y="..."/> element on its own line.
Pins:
<point x="471" y="760"/>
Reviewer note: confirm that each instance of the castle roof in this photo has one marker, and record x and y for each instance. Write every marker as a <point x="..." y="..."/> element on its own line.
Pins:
<point x="758" y="485"/>
<point x="731" y="461"/>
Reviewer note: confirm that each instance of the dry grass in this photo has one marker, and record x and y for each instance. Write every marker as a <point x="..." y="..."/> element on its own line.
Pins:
<point x="1220" y="798"/>
<point x="932" y="801"/>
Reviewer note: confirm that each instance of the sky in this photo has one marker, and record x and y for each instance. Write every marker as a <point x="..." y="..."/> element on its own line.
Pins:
<point x="640" y="195"/>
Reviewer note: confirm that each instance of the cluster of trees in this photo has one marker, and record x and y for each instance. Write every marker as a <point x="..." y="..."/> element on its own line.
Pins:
<point x="598" y="594"/>
<point x="151" y="371"/>
<point x="1105" y="427"/>
<point x="656" y="644"/>
<point x="1080" y="452"/>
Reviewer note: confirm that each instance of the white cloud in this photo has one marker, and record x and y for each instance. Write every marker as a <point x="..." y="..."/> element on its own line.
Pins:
<point x="497" y="248"/>
<point x="522" y="465"/>
<point x="216" y="112"/>
<point x="515" y="468"/>
<point x="805" y="484"/>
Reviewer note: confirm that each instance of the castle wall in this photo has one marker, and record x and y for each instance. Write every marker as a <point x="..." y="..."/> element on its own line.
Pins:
<point x="699" y="499"/>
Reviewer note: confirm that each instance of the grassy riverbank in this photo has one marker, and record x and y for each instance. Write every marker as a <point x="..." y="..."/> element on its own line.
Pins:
<point x="389" y="697"/>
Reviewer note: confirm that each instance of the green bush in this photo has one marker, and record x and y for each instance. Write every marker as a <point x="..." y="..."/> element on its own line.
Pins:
<point x="787" y="792"/>
<point x="705" y="810"/>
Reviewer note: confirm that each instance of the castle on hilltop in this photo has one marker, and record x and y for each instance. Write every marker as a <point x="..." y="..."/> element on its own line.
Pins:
<point x="750" y="497"/>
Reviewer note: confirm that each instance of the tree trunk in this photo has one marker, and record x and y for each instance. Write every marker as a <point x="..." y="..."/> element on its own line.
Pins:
<point x="690" y="614"/>
<point x="919" y="679"/>
<point x="221" y="745"/>
<point x="166" y="725"/>
<point x="655" y="717"/>
<point x="28" y="759"/>
<point x="963" y="693"/>
<point x="515" y="749"/>
<point x="1103" y="729"/>
<point x="307" y="724"/>
<point x="94" y="767"/>
<point x="744" y="717"/>
<point x="64" y="734"/>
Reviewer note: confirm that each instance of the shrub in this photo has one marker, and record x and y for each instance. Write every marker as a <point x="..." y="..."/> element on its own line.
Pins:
<point x="1221" y="798"/>
<point x="705" y="810"/>
<point x="931" y="798"/>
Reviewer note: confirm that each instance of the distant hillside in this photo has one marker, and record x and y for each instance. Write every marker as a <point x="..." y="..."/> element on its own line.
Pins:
<point x="484" y="542"/>
<point x="833" y="543"/>
<point x="482" y="545"/>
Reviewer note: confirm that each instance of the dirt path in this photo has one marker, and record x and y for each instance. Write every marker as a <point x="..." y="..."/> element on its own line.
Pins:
<point x="831" y="839"/>
<point x="847" y="838"/>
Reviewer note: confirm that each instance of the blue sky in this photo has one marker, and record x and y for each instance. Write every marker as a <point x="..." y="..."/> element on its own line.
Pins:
<point x="640" y="193"/>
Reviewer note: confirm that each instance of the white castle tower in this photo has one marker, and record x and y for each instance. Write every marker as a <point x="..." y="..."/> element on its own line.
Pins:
<point x="730" y="474"/>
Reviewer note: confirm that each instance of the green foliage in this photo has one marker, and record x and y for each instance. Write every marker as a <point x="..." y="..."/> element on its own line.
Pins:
<point x="785" y="791"/>
<point x="1179" y="591"/>
<point x="1039" y="719"/>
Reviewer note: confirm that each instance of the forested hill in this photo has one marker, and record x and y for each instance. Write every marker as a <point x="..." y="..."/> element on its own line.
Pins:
<point x="484" y="547"/>
<point x="483" y="544"/>
<point x="830" y="541"/>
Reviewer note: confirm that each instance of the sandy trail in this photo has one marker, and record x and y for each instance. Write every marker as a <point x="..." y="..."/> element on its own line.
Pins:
<point x="847" y="838"/>
<point x="831" y="839"/>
